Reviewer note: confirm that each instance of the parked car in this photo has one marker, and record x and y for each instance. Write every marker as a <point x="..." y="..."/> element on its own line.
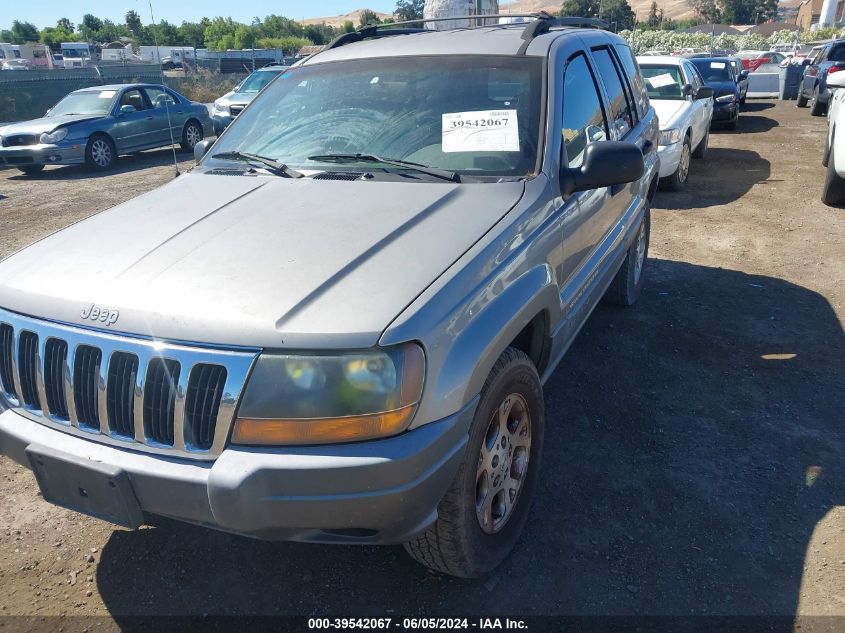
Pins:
<point x="233" y="102"/>
<point x="684" y="106"/>
<point x="813" y="87"/>
<point x="718" y="73"/>
<point x="833" y="191"/>
<point x="741" y="79"/>
<point x="337" y="326"/>
<point x="752" y="63"/>
<point x="95" y="125"/>
<point x="15" y="64"/>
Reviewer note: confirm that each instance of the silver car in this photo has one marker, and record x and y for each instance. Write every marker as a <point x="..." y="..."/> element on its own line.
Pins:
<point x="93" y="126"/>
<point x="231" y="104"/>
<point x="337" y="326"/>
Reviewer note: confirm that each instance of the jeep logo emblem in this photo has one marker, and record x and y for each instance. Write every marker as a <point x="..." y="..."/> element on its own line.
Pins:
<point x="103" y="315"/>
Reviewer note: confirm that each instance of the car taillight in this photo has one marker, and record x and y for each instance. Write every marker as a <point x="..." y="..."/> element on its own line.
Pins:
<point x="833" y="69"/>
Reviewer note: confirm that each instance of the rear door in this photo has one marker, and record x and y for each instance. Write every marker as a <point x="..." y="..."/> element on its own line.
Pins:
<point x="702" y="109"/>
<point x="166" y="112"/>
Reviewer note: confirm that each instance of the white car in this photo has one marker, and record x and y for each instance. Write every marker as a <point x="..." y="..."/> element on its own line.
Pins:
<point x="833" y="193"/>
<point x="684" y="106"/>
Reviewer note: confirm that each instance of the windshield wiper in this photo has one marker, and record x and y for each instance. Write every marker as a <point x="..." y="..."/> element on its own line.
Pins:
<point x="273" y="166"/>
<point x="396" y="162"/>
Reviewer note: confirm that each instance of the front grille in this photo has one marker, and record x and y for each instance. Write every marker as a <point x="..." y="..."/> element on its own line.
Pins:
<point x="235" y="110"/>
<point x="55" y="359"/>
<point x="152" y="396"/>
<point x="86" y="378"/>
<point x="28" y="362"/>
<point x="6" y="350"/>
<point x="202" y="404"/>
<point x="159" y="400"/>
<point x="20" y="140"/>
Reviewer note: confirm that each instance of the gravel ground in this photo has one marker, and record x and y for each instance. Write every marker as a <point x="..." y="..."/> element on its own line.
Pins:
<point x="694" y="457"/>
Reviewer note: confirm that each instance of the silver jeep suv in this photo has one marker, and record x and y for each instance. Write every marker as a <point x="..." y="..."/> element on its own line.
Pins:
<point x="336" y="328"/>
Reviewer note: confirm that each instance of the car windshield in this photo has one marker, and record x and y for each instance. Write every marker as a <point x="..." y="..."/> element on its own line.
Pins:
<point x="662" y="81"/>
<point x="85" y="102"/>
<point x="475" y="115"/>
<point x="257" y="80"/>
<point x="712" y="69"/>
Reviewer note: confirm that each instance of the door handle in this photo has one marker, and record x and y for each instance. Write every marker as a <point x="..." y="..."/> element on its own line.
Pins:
<point x="149" y="118"/>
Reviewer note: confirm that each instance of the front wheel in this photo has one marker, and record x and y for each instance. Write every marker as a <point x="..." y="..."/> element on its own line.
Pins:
<point x="191" y="135"/>
<point x="100" y="153"/>
<point x="678" y="179"/>
<point x="701" y="148"/>
<point x="485" y="509"/>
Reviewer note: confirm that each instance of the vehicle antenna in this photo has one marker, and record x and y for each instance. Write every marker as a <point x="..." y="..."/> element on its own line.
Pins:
<point x="164" y="85"/>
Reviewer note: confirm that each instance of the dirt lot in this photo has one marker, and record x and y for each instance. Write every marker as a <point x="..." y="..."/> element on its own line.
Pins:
<point x="695" y="456"/>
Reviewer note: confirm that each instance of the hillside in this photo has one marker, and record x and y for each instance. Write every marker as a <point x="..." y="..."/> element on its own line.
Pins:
<point x="338" y="20"/>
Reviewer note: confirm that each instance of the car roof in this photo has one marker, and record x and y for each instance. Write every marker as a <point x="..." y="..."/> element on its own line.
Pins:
<point x="663" y="60"/>
<point x="711" y="59"/>
<point x="271" y="67"/>
<point x="117" y="87"/>
<point x="499" y="39"/>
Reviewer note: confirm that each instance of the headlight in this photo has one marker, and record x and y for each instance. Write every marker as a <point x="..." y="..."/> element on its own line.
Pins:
<point x="53" y="137"/>
<point x="667" y="137"/>
<point x="333" y="397"/>
<point x="725" y="99"/>
<point x="220" y="108"/>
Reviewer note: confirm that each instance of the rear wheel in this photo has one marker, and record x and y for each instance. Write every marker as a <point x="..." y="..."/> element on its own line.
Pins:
<point x="482" y="514"/>
<point x="31" y="170"/>
<point x="626" y="287"/>
<point x="801" y="101"/>
<point x="833" y="192"/>
<point x="191" y="135"/>
<point x="100" y="154"/>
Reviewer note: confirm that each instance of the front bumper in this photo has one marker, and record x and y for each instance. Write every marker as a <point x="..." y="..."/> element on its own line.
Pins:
<point x="221" y="122"/>
<point x="64" y="154"/>
<point x="670" y="157"/>
<point x="383" y="491"/>
<point x="725" y="111"/>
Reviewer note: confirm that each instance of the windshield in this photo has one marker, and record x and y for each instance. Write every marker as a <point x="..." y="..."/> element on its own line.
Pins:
<point x="475" y="115"/>
<point x="663" y="82"/>
<point x="85" y="102"/>
<point x="713" y="70"/>
<point x="257" y="80"/>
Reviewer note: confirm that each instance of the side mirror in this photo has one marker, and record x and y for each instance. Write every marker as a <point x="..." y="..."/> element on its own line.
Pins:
<point x="606" y="163"/>
<point x="743" y="74"/>
<point x="201" y="148"/>
<point x="705" y="92"/>
<point x="836" y="80"/>
<point x="127" y="109"/>
<point x="686" y="90"/>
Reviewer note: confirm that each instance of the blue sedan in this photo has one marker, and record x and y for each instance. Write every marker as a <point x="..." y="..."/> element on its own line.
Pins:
<point x="95" y="125"/>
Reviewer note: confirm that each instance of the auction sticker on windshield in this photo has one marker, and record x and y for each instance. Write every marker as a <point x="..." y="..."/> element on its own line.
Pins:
<point x="658" y="81"/>
<point x="718" y="64"/>
<point x="107" y="94"/>
<point x="480" y="131"/>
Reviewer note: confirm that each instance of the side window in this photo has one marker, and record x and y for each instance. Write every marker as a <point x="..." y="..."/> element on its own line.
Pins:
<point x="583" y="117"/>
<point x="134" y="98"/>
<point x="632" y="69"/>
<point x="159" y="98"/>
<point x="692" y="75"/>
<point x="620" y="115"/>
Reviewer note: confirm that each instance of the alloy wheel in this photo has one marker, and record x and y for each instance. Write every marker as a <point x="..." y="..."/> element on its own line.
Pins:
<point x="503" y="463"/>
<point x="101" y="153"/>
<point x="193" y="135"/>
<point x="640" y="260"/>
<point x="683" y="168"/>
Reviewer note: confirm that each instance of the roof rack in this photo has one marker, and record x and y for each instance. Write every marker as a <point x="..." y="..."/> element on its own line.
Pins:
<point x="541" y="23"/>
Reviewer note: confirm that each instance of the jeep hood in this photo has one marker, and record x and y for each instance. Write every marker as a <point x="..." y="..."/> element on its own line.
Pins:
<point x="256" y="260"/>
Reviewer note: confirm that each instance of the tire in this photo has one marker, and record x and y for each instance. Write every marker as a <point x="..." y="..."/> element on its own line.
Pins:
<point x="100" y="154"/>
<point x="677" y="180"/>
<point x="191" y="135"/>
<point x="457" y="543"/>
<point x="731" y="125"/>
<point x="817" y="108"/>
<point x="833" y="191"/>
<point x="31" y="170"/>
<point x="801" y="100"/>
<point x="628" y="283"/>
<point x="701" y="149"/>
<point x="826" y="154"/>
<point x="742" y="101"/>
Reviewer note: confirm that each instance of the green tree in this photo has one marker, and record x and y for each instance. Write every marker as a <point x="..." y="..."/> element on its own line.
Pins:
<point x="707" y="9"/>
<point x="133" y="22"/>
<point x="53" y="37"/>
<point x="65" y="25"/>
<point x="23" y="32"/>
<point x="368" y="16"/>
<point x="347" y="27"/>
<point x="5" y="35"/>
<point x="618" y="14"/>
<point x="245" y="37"/>
<point x="767" y="10"/>
<point x="192" y="34"/>
<point x="580" y="8"/>
<point x="409" y="10"/>
<point x="289" y="44"/>
<point x="220" y="33"/>
<point x="653" y="19"/>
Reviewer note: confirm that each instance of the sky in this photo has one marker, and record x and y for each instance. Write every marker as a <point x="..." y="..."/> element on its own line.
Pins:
<point x="45" y="12"/>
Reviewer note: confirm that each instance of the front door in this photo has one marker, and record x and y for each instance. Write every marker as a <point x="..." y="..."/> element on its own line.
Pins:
<point x="134" y="129"/>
